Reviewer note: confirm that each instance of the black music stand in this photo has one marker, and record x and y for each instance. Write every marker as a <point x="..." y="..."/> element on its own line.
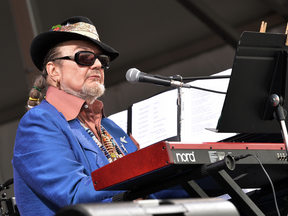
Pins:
<point x="256" y="92"/>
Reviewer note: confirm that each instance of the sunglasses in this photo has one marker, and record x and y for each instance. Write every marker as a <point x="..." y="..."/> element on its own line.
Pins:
<point x="87" y="58"/>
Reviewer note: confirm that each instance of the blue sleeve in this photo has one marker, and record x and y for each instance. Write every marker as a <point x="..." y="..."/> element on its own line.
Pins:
<point x="172" y="193"/>
<point x="46" y="160"/>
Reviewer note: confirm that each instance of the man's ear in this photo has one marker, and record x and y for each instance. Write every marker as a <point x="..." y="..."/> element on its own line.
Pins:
<point x="53" y="71"/>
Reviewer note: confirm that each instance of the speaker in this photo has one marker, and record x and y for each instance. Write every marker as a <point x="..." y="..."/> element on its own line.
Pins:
<point x="176" y="207"/>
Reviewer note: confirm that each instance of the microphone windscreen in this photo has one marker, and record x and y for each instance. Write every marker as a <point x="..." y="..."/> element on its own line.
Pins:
<point x="132" y="75"/>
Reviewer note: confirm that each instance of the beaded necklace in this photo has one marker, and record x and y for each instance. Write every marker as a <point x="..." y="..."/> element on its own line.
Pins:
<point x="109" y="147"/>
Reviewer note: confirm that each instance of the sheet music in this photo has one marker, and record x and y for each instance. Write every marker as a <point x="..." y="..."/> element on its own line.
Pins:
<point x="120" y="119"/>
<point x="155" y="119"/>
<point x="202" y="109"/>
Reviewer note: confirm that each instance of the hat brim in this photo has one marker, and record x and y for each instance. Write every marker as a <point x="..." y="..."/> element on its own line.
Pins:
<point x="42" y="43"/>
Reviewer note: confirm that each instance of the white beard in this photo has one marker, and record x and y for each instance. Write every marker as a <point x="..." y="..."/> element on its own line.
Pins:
<point x="87" y="93"/>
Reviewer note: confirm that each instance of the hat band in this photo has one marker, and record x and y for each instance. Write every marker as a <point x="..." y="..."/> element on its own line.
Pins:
<point x="81" y="28"/>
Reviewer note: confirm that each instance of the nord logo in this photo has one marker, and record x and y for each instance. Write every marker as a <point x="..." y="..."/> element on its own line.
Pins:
<point x="185" y="157"/>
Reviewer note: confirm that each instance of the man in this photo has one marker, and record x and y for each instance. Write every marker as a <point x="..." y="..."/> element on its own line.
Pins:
<point x="66" y="137"/>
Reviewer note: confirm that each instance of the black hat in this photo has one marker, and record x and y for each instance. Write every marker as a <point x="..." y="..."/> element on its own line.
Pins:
<point x="74" y="28"/>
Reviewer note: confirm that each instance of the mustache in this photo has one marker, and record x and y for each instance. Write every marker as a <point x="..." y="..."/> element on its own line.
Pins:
<point x="94" y="72"/>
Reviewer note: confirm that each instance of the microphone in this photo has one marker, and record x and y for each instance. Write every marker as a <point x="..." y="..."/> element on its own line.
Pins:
<point x="133" y="75"/>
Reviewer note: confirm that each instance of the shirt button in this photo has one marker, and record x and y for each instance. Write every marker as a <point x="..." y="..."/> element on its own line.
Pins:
<point x="86" y="106"/>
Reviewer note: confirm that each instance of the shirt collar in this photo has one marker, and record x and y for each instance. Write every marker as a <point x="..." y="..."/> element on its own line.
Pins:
<point x="69" y="105"/>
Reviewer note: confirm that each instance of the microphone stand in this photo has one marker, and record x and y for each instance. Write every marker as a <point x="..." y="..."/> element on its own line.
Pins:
<point x="11" y="207"/>
<point x="275" y="101"/>
<point x="180" y="78"/>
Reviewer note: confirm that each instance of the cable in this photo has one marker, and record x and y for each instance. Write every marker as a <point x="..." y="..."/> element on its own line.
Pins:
<point x="272" y="186"/>
<point x="208" y="90"/>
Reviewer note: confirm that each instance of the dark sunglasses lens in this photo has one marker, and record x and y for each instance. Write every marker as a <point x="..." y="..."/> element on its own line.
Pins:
<point x="104" y="60"/>
<point x="87" y="59"/>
